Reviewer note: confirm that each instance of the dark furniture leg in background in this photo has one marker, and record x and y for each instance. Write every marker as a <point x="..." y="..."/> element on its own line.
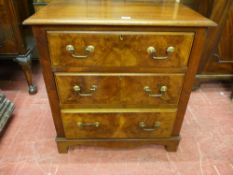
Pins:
<point x="25" y="63"/>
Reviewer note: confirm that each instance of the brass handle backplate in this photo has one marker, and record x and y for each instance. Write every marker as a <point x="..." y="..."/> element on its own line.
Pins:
<point x="163" y="90"/>
<point x="81" y="124"/>
<point x="77" y="89"/>
<point x="87" y="51"/>
<point x="152" y="52"/>
<point x="143" y="126"/>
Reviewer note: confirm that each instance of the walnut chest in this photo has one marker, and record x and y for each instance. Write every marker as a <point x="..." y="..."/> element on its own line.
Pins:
<point x="118" y="73"/>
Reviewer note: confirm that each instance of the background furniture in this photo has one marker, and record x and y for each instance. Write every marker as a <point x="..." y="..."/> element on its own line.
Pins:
<point x="217" y="61"/>
<point x="15" y="40"/>
<point x="107" y="88"/>
<point x="38" y="4"/>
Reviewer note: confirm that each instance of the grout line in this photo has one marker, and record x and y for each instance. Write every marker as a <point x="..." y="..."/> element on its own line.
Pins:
<point x="173" y="164"/>
<point x="205" y="97"/>
<point x="200" y="157"/>
<point x="231" y="165"/>
<point x="216" y="169"/>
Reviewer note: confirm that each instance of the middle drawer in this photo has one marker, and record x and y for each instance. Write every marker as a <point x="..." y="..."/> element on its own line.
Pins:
<point x="119" y="89"/>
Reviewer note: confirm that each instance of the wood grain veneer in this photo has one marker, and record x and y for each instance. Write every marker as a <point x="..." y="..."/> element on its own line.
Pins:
<point x="119" y="89"/>
<point x="118" y="125"/>
<point x="120" y="49"/>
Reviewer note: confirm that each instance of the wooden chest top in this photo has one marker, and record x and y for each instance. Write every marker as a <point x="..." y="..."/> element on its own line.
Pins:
<point x="118" y="12"/>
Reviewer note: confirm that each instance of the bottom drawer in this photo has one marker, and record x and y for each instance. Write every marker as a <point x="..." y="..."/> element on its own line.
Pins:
<point x="118" y="125"/>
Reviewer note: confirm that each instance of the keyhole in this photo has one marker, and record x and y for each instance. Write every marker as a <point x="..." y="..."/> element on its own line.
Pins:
<point x="121" y="37"/>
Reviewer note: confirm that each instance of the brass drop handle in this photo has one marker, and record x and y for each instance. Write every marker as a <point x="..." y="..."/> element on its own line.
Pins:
<point x="152" y="52"/>
<point x="77" y="89"/>
<point x="81" y="124"/>
<point x="163" y="90"/>
<point x="143" y="126"/>
<point x="87" y="51"/>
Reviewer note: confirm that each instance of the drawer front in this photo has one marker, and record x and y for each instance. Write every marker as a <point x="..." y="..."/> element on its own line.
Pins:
<point x="124" y="125"/>
<point x="120" y="49"/>
<point x="119" y="89"/>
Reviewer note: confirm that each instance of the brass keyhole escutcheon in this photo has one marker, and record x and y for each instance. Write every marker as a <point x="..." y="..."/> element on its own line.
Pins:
<point x="121" y="37"/>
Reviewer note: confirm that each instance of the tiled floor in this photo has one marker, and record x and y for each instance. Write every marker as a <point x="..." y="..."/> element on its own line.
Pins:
<point x="28" y="146"/>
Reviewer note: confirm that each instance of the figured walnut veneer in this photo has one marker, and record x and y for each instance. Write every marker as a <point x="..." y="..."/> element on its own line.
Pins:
<point x="120" y="49"/>
<point x="119" y="89"/>
<point x="118" y="125"/>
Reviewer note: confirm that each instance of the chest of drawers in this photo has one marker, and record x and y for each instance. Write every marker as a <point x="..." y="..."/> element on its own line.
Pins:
<point x="118" y="73"/>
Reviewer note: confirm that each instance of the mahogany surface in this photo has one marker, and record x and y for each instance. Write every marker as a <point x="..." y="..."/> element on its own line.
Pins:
<point x="105" y="12"/>
<point x="217" y="60"/>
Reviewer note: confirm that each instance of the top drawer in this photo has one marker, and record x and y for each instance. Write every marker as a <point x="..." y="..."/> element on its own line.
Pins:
<point x="119" y="49"/>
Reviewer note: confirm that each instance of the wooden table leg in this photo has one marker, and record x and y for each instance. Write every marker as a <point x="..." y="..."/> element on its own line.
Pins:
<point x="25" y="63"/>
